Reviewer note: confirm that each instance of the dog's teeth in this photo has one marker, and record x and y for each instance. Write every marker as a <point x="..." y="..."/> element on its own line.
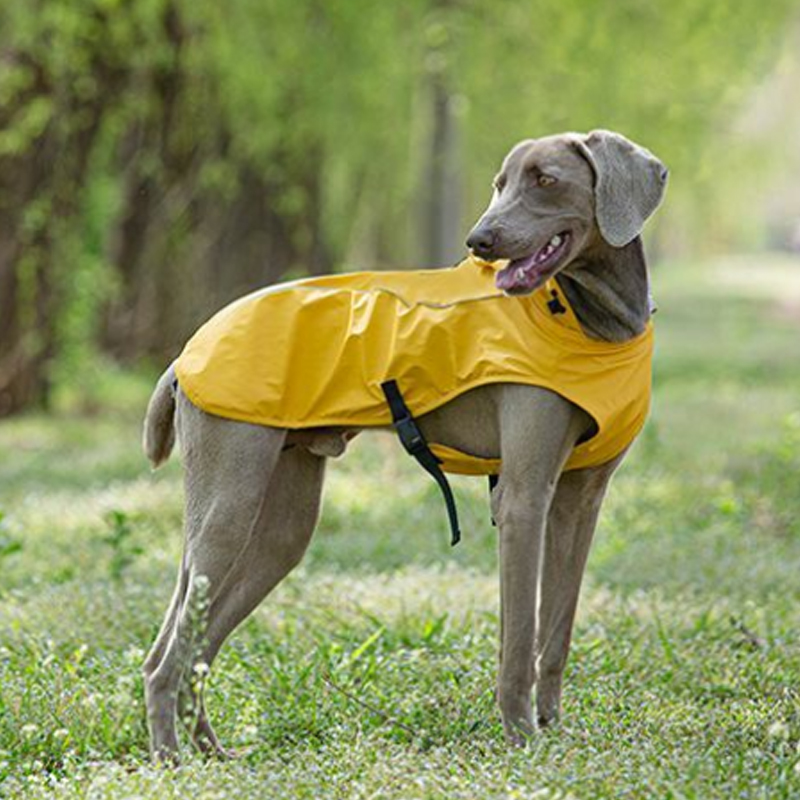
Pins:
<point x="556" y="240"/>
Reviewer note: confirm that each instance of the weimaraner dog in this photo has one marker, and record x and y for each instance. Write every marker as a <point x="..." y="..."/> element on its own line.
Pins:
<point x="569" y="205"/>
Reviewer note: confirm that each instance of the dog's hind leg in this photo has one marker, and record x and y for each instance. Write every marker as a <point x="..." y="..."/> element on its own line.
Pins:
<point x="275" y="547"/>
<point x="228" y="469"/>
<point x="178" y="596"/>
<point x="570" y="527"/>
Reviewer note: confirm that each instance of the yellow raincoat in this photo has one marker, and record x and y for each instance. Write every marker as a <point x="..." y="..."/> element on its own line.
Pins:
<point x="314" y="353"/>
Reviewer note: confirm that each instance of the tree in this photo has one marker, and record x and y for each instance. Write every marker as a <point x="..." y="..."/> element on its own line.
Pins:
<point x="61" y="73"/>
<point x="159" y="157"/>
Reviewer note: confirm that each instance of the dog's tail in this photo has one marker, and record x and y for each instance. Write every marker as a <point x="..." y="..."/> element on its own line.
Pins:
<point x="159" y="422"/>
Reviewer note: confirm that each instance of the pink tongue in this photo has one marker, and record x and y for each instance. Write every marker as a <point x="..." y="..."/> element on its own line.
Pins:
<point x="517" y="275"/>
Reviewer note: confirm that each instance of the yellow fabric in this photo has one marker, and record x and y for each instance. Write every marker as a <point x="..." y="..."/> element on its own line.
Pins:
<point x="314" y="352"/>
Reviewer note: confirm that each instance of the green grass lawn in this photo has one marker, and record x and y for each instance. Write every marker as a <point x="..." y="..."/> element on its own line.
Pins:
<point x="370" y="671"/>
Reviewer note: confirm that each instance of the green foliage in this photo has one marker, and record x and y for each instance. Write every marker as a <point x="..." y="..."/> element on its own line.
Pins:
<point x="66" y="65"/>
<point x="666" y="74"/>
<point x="122" y="542"/>
<point x="8" y="543"/>
<point x="87" y="282"/>
<point x="321" y="111"/>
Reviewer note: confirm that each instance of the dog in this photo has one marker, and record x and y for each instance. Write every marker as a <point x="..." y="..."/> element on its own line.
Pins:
<point x="566" y="216"/>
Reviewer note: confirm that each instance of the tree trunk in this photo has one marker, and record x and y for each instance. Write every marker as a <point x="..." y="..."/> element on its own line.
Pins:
<point x="443" y="234"/>
<point x="442" y="185"/>
<point x="41" y="193"/>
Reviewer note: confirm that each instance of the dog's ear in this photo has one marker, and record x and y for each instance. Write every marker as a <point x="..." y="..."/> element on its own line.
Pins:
<point x="629" y="184"/>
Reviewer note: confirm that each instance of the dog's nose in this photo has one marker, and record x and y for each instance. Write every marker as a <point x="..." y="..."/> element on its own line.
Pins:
<point x="481" y="241"/>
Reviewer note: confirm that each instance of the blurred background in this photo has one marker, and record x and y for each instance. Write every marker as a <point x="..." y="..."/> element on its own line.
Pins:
<point x="160" y="157"/>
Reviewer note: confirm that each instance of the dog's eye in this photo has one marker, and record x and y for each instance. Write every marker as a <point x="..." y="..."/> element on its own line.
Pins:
<point x="546" y="180"/>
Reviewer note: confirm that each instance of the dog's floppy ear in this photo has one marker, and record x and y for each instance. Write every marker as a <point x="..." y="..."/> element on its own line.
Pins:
<point x="629" y="184"/>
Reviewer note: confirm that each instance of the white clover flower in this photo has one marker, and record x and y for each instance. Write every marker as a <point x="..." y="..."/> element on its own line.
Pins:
<point x="134" y="655"/>
<point x="778" y="730"/>
<point x="250" y="731"/>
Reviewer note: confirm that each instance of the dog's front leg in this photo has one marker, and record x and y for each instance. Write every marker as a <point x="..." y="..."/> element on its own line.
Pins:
<point x="538" y="430"/>
<point x="520" y="519"/>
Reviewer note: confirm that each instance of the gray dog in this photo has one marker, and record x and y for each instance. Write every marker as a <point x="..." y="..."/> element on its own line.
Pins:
<point x="567" y="209"/>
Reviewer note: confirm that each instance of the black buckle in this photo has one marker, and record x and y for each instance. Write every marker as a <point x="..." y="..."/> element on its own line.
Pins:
<point x="410" y="435"/>
<point x="555" y="305"/>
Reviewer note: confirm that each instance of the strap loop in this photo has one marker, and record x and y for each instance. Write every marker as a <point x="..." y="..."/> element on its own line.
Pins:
<point x="493" y="481"/>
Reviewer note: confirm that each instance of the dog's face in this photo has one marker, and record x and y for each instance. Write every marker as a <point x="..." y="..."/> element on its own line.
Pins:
<point x="557" y="196"/>
<point x="540" y="214"/>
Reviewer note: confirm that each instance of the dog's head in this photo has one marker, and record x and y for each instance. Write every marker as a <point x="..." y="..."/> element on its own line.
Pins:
<point x="554" y="197"/>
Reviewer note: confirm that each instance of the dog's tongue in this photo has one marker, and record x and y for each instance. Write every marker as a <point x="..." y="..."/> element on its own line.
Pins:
<point x="518" y="276"/>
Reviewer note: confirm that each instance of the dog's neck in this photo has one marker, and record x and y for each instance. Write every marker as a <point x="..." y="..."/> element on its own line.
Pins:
<point x="609" y="291"/>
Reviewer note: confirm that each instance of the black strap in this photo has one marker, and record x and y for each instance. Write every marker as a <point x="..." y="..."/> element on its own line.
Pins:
<point x="414" y="443"/>
<point x="493" y="481"/>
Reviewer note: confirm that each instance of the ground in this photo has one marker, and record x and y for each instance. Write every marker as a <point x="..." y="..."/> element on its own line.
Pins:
<point x="369" y="673"/>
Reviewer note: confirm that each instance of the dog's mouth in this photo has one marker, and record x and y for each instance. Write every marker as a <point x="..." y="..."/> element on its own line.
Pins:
<point x="524" y="275"/>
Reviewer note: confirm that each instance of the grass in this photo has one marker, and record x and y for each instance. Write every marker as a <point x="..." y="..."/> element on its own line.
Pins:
<point x="369" y="672"/>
